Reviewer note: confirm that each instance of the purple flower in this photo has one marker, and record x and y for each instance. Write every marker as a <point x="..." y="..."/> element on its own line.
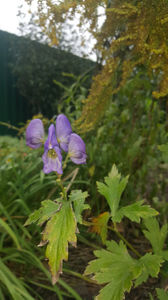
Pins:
<point x="63" y="131"/>
<point x="76" y="149"/>
<point x="52" y="157"/>
<point x="35" y="134"/>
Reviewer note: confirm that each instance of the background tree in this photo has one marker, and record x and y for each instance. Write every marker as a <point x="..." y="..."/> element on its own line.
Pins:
<point x="134" y="33"/>
<point x="125" y="110"/>
<point x="72" y="38"/>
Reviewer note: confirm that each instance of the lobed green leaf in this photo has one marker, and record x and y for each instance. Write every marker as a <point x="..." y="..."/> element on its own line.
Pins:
<point x="115" y="267"/>
<point x="135" y="212"/>
<point x="150" y="266"/>
<point x="156" y="235"/>
<point x="113" y="189"/>
<point x="162" y="294"/>
<point x="42" y="214"/>
<point x="78" y="198"/>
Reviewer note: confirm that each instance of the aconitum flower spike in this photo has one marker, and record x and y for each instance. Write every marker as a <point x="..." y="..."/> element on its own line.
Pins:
<point x="63" y="131"/>
<point x="52" y="157"/>
<point x="35" y="134"/>
<point x="76" y="149"/>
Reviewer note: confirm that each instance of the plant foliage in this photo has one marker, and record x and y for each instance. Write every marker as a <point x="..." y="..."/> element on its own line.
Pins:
<point x="115" y="267"/>
<point x="60" y="229"/>
<point x="133" y="34"/>
<point x="112" y="191"/>
<point x="162" y="295"/>
<point x="156" y="235"/>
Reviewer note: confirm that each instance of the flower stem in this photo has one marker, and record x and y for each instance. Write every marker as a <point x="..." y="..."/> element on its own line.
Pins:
<point x="114" y="229"/>
<point x="76" y="274"/>
<point x="88" y="243"/>
<point x="65" y="161"/>
<point x="124" y="240"/>
<point x="62" y="187"/>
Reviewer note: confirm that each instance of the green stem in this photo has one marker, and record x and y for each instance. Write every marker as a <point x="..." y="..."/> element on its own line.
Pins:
<point x="88" y="243"/>
<point x="62" y="187"/>
<point x="65" y="161"/>
<point x="118" y="234"/>
<point x="76" y="274"/>
<point x="124" y="240"/>
<point x="13" y="217"/>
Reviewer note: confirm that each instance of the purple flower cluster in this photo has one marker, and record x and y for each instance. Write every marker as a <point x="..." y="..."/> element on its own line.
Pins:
<point x="59" y="138"/>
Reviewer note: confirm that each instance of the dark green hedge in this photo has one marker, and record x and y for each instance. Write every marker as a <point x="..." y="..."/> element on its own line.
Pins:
<point x="27" y="71"/>
<point x="13" y="107"/>
<point x="35" y="66"/>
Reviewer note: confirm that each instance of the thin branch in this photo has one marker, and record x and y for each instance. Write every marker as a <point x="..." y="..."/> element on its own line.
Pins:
<point x="76" y="274"/>
<point x="9" y="126"/>
<point x="73" y="178"/>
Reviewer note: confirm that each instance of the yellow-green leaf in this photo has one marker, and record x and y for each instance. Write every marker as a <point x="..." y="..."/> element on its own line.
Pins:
<point x="78" y="198"/>
<point x="59" y="231"/>
<point x="42" y="214"/>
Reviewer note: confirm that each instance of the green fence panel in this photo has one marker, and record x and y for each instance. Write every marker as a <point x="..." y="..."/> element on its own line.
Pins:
<point x="13" y="107"/>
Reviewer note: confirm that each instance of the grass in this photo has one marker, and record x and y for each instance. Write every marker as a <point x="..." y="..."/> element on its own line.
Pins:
<point x="22" y="187"/>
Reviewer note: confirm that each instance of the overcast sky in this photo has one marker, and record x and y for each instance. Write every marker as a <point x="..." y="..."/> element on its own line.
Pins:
<point x="9" y="21"/>
<point x="8" y="15"/>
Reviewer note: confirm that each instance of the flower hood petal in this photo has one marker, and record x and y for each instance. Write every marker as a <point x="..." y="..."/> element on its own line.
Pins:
<point x="35" y="134"/>
<point x="63" y="131"/>
<point x="51" y="141"/>
<point x="76" y="149"/>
